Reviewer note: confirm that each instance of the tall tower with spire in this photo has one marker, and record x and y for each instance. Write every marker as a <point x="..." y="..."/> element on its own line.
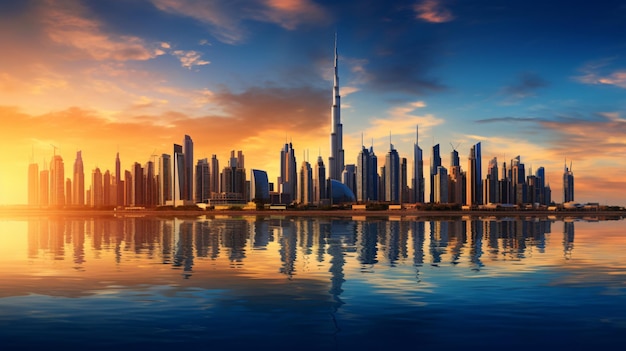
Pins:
<point x="336" y="160"/>
<point x="418" y="170"/>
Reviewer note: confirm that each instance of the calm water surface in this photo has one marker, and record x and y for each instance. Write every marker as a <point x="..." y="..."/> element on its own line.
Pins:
<point x="311" y="283"/>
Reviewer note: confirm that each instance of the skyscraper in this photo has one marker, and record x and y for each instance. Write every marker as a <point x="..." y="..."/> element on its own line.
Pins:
<point x="435" y="162"/>
<point x="568" y="184"/>
<point x="119" y="188"/>
<point x="203" y="192"/>
<point x="474" y="176"/>
<point x="348" y="177"/>
<point x="214" y="172"/>
<point x="336" y="159"/>
<point x="259" y="186"/>
<point x="165" y="179"/>
<point x="392" y="176"/>
<point x="287" y="183"/>
<point x="79" y="181"/>
<point x="492" y="188"/>
<point x="319" y="181"/>
<point x="44" y="186"/>
<point x="97" y="199"/>
<point x="418" y="170"/>
<point x="367" y="175"/>
<point x="178" y="174"/>
<point x="188" y="169"/>
<point x="305" y="185"/>
<point x="441" y="185"/>
<point x="57" y="181"/>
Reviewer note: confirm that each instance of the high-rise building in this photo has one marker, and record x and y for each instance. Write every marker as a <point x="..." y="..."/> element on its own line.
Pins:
<point x="568" y="184"/>
<point x="474" y="176"/>
<point x="150" y="185"/>
<point x="119" y="188"/>
<point x="348" y="177"/>
<point x="418" y="171"/>
<point x="178" y="175"/>
<point x="492" y="194"/>
<point x="367" y="175"/>
<point x="441" y="185"/>
<point x="518" y="181"/>
<point x="404" y="186"/>
<point x="79" y="181"/>
<point x="435" y="162"/>
<point x="57" y="181"/>
<point x="128" y="188"/>
<point x="165" y="179"/>
<point x="97" y="189"/>
<point x="203" y="193"/>
<point x="288" y="183"/>
<point x="319" y="181"/>
<point x="188" y="169"/>
<point x="259" y="186"/>
<point x="336" y="159"/>
<point x="139" y="185"/>
<point x="392" y="176"/>
<point x="68" y="188"/>
<point x="540" y="189"/>
<point x="33" y="184"/>
<point x="214" y="172"/>
<point x="305" y="185"/>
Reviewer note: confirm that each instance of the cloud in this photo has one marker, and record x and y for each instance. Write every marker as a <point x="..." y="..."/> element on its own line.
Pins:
<point x="507" y="119"/>
<point x="225" y="18"/>
<point x="190" y="58"/>
<point x="401" y="120"/>
<point x="525" y="86"/>
<point x="404" y="65"/>
<point x="599" y="73"/>
<point x="67" y="23"/>
<point x="432" y="11"/>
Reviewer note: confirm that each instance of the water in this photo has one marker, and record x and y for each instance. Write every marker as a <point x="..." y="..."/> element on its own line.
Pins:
<point x="311" y="283"/>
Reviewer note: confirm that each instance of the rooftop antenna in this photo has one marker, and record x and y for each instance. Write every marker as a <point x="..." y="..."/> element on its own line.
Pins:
<point x="362" y="143"/>
<point x="455" y="147"/>
<point x="54" y="148"/>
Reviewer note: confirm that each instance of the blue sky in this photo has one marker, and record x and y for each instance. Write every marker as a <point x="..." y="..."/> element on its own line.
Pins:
<point x="545" y="80"/>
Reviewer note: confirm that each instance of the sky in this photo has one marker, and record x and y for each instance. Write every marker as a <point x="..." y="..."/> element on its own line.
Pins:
<point x="545" y="80"/>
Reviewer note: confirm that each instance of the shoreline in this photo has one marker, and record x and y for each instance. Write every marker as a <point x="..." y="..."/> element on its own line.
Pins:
<point x="408" y="213"/>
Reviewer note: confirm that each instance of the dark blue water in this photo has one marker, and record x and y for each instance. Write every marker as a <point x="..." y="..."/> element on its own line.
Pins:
<point x="311" y="283"/>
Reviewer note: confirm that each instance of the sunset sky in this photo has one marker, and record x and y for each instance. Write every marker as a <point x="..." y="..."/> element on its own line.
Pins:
<point x="542" y="79"/>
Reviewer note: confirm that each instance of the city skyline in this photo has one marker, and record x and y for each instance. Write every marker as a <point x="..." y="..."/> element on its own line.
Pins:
<point x="99" y="85"/>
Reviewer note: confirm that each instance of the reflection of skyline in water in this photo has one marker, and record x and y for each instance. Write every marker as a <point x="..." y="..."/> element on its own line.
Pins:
<point x="307" y="241"/>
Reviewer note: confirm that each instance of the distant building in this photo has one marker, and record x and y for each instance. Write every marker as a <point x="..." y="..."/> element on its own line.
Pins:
<point x="57" y="181"/>
<point x="568" y="184"/>
<point x="288" y="180"/>
<point x="474" y="176"/>
<point x="259" y="186"/>
<point x="441" y="185"/>
<point x="392" y="176"/>
<point x="178" y="176"/>
<point x="418" y="171"/>
<point x="164" y="179"/>
<point x="367" y="175"/>
<point x="319" y="181"/>
<point x="78" y="195"/>
<point x="305" y="184"/>
<point x="97" y="189"/>
<point x="348" y="177"/>
<point x="203" y="178"/>
<point x="435" y="162"/>
<point x="188" y="169"/>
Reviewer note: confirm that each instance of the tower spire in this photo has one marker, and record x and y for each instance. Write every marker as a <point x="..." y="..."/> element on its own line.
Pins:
<point x="336" y="158"/>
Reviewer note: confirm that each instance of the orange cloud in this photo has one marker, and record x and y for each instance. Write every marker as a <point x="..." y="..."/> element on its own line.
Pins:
<point x="67" y="23"/>
<point x="432" y="11"/>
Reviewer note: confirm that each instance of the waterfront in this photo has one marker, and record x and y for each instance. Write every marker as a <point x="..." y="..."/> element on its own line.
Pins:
<point x="311" y="282"/>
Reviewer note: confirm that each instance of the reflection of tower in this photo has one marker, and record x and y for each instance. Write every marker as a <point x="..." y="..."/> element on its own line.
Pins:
<point x="418" y="229"/>
<point x="568" y="239"/>
<point x="183" y="256"/>
<point x="367" y="235"/>
<point x="261" y="233"/>
<point x="287" y="250"/>
<point x="476" y="246"/>
<point x="391" y="239"/>
<point x="336" y="159"/>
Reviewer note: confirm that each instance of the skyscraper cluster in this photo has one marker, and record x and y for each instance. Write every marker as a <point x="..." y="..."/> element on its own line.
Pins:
<point x="174" y="180"/>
